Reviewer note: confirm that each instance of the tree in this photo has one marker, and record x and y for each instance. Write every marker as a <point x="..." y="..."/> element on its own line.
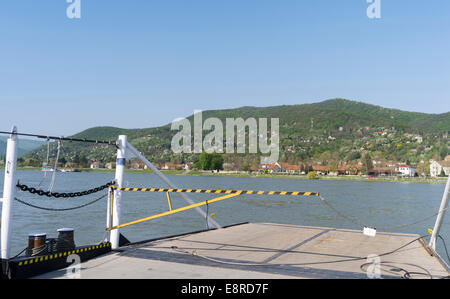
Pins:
<point x="333" y="167"/>
<point x="423" y="168"/>
<point x="32" y="162"/>
<point x="312" y="175"/>
<point x="367" y="163"/>
<point x="213" y="161"/>
<point x="205" y="161"/>
<point x="443" y="152"/>
<point x="216" y="162"/>
<point x="246" y="167"/>
<point x="83" y="162"/>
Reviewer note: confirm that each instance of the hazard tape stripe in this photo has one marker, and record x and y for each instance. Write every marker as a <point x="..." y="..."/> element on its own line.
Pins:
<point x="291" y="193"/>
<point x="60" y="254"/>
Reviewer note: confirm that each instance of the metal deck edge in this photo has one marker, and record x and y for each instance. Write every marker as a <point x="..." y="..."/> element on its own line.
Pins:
<point x="434" y="254"/>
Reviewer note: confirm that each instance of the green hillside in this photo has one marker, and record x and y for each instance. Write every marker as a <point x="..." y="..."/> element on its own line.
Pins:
<point x="336" y="130"/>
<point x="24" y="146"/>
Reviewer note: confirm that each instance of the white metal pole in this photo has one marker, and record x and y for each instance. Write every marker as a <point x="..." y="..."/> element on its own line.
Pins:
<point x="440" y="216"/>
<point x="120" y="169"/>
<point x="9" y="192"/>
<point x="141" y="157"/>
<point x="108" y="216"/>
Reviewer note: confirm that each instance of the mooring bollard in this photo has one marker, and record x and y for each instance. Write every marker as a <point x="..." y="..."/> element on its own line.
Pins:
<point x="65" y="239"/>
<point x="36" y="244"/>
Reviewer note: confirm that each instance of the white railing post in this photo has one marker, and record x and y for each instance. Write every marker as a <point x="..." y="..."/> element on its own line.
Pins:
<point x="120" y="169"/>
<point x="9" y="192"/>
<point x="440" y="216"/>
<point x="108" y="216"/>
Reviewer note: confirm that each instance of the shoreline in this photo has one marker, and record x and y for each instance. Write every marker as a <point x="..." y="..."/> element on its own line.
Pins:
<point x="442" y="180"/>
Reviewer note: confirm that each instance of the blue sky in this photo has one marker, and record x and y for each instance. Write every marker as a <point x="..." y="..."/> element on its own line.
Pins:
<point x="136" y="64"/>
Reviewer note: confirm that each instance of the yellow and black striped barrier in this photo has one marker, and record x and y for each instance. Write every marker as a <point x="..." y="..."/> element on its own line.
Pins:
<point x="228" y="194"/>
<point x="213" y="191"/>
<point x="48" y="257"/>
<point x="25" y="267"/>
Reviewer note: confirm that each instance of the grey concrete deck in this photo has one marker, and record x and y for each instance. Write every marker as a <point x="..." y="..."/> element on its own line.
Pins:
<point x="264" y="250"/>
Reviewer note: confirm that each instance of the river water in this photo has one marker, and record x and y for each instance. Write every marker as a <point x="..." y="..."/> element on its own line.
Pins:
<point x="376" y="204"/>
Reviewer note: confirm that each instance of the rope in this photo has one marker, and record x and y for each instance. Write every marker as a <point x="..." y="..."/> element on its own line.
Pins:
<point x="394" y="269"/>
<point x="64" y="244"/>
<point x="61" y="138"/>
<point x="445" y="247"/>
<point x="383" y="227"/>
<point x="58" y="210"/>
<point x="418" y="221"/>
<point x="340" y="214"/>
<point x="41" y="250"/>
<point x="51" y="245"/>
<point x="406" y="275"/>
<point x="175" y="248"/>
<point x="50" y="189"/>
<point x="46" y="164"/>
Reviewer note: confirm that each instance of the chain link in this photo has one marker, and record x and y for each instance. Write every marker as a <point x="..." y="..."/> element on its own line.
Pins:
<point x="64" y="195"/>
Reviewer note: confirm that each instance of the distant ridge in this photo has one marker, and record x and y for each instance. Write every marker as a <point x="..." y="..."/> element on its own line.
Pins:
<point x="341" y="118"/>
<point x="25" y="145"/>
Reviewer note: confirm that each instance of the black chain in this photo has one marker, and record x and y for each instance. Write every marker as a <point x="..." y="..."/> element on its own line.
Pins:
<point x="65" y="195"/>
<point x="58" y="210"/>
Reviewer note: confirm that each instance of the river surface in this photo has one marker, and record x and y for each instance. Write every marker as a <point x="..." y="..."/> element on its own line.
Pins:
<point x="376" y="204"/>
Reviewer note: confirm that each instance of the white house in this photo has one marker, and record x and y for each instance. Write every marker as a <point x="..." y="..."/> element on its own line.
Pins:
<point x="436" y="168"/>
<point x="96" y="165"/>
<point x="406" y="170"/>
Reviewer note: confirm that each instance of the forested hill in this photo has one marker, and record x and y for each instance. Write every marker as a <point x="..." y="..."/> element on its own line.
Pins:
<point x="342" y="129"/>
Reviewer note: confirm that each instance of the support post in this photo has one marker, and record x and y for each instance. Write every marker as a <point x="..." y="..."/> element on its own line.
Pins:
<point x="141" y="157"/>
<point x="9" y="192"/>
<point x="440" y="216"/>
<point x="120" y="169"/>
<point x="108" y="214"/>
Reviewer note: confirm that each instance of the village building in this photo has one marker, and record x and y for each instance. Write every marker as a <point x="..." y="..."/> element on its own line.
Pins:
<point x="71" y="165"/>
<point x="436" y="167"/>
<point x="384" y="171"/>
<point x="406" y="170"/>
<point x="111" y="165"/>
<point x="271" y="168"/>
<point x="138" y="165"/>
<point x="173" y="166"/>
<point x="96" y="165"/>
<point x="321" y="169"/>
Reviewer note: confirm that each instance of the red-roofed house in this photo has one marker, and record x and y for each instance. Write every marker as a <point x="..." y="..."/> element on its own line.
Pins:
<point x="271" y="168"/>
<point x="321" y="169"/>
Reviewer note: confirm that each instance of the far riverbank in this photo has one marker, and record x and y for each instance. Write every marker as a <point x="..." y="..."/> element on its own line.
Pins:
<point x="439" y="180"/>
